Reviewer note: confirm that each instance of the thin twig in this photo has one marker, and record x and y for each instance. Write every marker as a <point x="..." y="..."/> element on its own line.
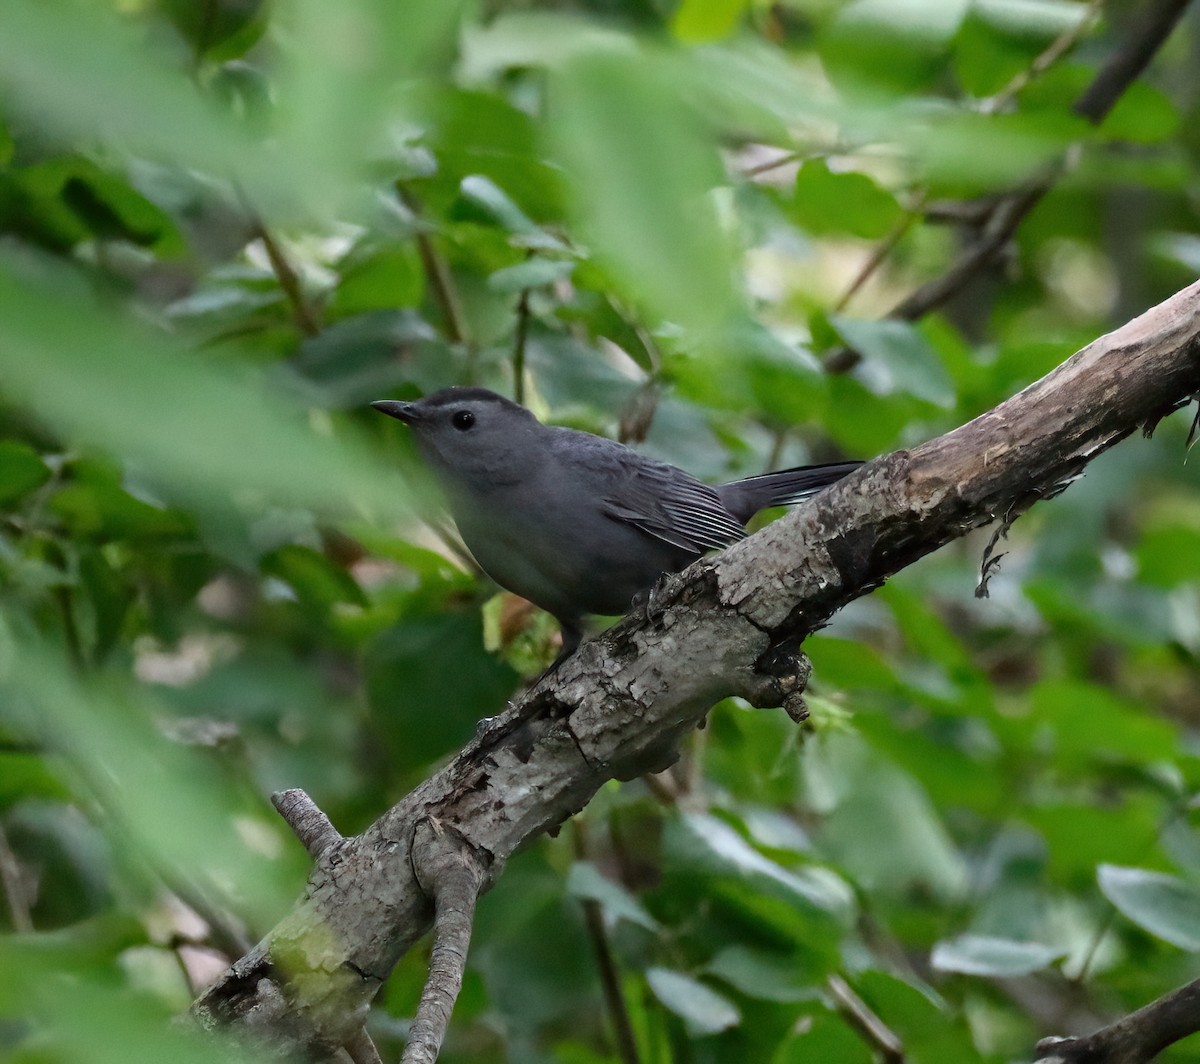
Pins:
<point x="882" y="251"/>
<point x="66" y="607"/>
<point x="437" y="273"/>
<point x="1010" y="212"/>
<point x="773" y="164"/>
<point x="225" y="933"/>
<point x="663" y="787"/>
<point x="289" y="281"/>
<point x="1053" y="52"/>
<point x="606" y="965"/>
<point x="451" y="873"/>
<point x="858" y="1014"/>
<point x="610" y="981"/>
<point x="13" y="885"/>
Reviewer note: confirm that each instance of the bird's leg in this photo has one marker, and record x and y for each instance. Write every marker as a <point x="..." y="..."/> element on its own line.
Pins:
<point x="572" y="636"/>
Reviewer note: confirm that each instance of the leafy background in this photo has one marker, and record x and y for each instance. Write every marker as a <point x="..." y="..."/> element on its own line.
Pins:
<point x="226" y="226"/>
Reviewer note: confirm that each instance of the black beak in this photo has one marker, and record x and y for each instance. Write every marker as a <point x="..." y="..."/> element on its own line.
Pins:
<point x="394" y="408"/>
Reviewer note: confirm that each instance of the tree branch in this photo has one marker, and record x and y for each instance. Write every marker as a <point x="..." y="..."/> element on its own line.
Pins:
<point x="1133" y="1039"/>
<point x="728" y="625"/>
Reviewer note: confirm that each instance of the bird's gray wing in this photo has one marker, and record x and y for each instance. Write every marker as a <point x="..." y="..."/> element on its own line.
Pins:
<point x="673" y="506"/>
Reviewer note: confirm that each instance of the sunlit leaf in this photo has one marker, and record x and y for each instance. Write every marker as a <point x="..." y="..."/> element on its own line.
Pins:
<point x="1164" y="905"/>
<point x="995" y="957"/>
<point x="585" y="881"/>
<point x="703" y="1010"/>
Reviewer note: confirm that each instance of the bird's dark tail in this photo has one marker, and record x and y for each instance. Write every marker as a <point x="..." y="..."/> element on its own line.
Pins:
<point x="744" y="498"/>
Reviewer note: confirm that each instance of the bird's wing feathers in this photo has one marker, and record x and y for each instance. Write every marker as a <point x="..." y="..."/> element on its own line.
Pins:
<point x="671" y="505"/>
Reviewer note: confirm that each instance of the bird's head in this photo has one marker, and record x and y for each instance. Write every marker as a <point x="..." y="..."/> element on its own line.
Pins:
<point x="470" y="434"/>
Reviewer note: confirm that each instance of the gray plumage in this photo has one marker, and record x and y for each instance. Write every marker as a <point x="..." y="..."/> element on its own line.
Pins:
<point x="577" y="523"/>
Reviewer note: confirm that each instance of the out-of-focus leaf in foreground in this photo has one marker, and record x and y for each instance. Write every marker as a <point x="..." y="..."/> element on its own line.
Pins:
<point x="201" y="433"/>
<point x="161" y="802"/>
<point x="642" y="170"/>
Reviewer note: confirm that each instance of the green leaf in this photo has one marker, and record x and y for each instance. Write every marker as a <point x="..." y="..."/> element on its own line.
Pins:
<point x="1039" y="19"/>
<point x="752" y="371"/>
<point x="203" y="430"/>
<point x="999" y="39"/>
<point x="997" y="957"/>
<point x="487" y="149"/>
<point x="702" y="1010"/>
<point x="1093" y="724"/>
<point x="896" y="358"/>
<point x="585" y="881"/>
<point x="1169" y="555"/>
<point x="534" y="273"/>
<point x="986" y="59"/>
<point x="1079" y="836"/>
<point x="315" y="578"/>
<point x="698" y="21"/>
<point x="1143" y="114"/>
<point x="826" y="202"/>
<point x="21" y="470"/>
<point x="429" y="681"/>
<point x="110" y="597"/>
<point x="378" y="277"/>
<point x="881" y="825"/>
<point x="765" y="975"/>
<point x="218" y="29"/>
<point x="876" y="45"/>
<point x="824" y="1037"/>
<point x="1162" y="904"/>
<point x="94" y="506"/>
<point x="369" y="355"/>
<point x="722" y="849"/>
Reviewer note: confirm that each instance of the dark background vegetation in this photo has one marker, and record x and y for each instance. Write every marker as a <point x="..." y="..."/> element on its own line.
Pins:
<point x="225" y="226"/>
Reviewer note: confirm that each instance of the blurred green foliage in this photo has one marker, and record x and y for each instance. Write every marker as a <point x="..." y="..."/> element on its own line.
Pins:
<point x="225" y="227"/>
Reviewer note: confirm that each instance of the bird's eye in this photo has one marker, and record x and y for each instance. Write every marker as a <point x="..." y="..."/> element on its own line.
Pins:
<point x="462" y="420"/>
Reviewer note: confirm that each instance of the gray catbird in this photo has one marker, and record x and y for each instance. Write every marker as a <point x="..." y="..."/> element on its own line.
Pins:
<point x="577" y="523"/>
